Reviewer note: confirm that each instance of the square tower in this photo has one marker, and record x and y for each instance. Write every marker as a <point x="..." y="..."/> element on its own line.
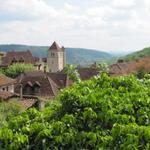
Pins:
<point x="56" y="59"/>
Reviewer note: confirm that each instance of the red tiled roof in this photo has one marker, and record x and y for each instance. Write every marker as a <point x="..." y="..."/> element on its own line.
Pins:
<point x="125" y="68"/>
<point x="27" y="103"/>
<point x="26" y="56"/>
<point x="4" y="95"/>
<point x="5" y="80"/>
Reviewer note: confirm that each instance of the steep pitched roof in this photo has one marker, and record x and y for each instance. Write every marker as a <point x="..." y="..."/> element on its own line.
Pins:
<point x="48" y="87"/>
<point x="56" y="47"/>
<point x="61" y="79"/>
<point x="5" y="80"/>
<point x="26" y="56"/>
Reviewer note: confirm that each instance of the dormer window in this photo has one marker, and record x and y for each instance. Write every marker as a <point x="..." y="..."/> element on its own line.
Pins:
<point x="13" y="60"/>
<point x="21" y="60"/>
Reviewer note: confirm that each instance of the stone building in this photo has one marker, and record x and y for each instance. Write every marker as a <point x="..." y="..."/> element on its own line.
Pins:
<point x="56" y="58"/>
<point x="6" y="88"/>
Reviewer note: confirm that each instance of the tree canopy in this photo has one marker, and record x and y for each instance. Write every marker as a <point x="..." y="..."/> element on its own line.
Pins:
<point x="105" y="112"/>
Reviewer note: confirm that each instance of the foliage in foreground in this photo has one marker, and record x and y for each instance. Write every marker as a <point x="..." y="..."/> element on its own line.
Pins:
<point x="8" y="109"/>
<point x="102" y="113"/>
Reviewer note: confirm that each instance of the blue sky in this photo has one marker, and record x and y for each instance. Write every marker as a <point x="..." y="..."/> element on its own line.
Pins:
<point x="108" y="25"/>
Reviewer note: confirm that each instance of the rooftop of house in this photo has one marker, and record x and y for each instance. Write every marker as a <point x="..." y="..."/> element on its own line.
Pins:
<point x="125" y="68"/>
<point x="15" y="56"/>
<point x="4" y="80"/>
<point x="27" y="103"/>
<point x="5" y="95"/>
<point x="87" y="73"/>
<point x="48" y="88"/>
<point x="55" y="47"/>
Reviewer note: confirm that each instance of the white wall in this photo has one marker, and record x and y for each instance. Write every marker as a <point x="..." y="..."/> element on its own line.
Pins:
<point x="9" y="88"/>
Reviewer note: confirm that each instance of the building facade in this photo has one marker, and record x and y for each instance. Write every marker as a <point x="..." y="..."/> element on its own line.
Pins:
<point x="6" y="84"/>
<point x="56" y="59"/>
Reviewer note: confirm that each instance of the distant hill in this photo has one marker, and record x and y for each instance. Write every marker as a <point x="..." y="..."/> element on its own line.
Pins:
<point x="78" y="56"/>
<point x="137" y="55"/>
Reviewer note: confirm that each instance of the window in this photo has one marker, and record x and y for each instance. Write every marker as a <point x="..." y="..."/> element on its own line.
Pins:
<point x="36" y="89"/>
<point x="3" y="89"/>
<point x="52" y="54"/>
<point x="21" y="60"/>
<point x="27" y="90"/>
<point x="14" y="60"/>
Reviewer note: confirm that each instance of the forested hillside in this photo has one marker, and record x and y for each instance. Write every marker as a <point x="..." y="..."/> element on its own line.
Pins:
<point x="138" y="54"/>
<point x="78" y="56"/>
<point x="108" y="113"/>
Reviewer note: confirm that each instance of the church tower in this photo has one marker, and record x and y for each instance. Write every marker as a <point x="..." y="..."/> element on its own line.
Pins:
<point x="56" y="59"/>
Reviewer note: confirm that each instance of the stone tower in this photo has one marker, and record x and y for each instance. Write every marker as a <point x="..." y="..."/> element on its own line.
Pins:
<point x="56" y="59"/>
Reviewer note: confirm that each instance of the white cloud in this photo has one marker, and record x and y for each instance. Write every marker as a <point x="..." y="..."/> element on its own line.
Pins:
<point x="104" y="24"/>
<point x="123" y="3"/>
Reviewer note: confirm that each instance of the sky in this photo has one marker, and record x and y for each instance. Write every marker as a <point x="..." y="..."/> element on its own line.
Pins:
<point x="110" y="25"/>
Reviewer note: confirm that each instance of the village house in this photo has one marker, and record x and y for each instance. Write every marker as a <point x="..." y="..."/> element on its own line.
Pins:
<point x="6" y="87"/>
<point x="17" y="57"/>
<point x="38" y="83"/>
<point x="125" y="68"/>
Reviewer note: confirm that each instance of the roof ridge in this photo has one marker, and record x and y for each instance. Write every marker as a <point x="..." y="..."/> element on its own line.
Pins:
<point x="55" y="46"/>
<point x="52" y="87"/>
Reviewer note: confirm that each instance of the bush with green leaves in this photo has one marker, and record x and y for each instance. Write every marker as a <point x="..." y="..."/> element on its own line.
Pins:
<point x="104" y="113"/>
<point x="16" y="69"/>
<point x="8" y="109"/>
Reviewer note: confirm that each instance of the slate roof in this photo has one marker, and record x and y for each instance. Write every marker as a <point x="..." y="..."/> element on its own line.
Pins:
<point x="61" y="79"/>
<point x="48" y="88"/>
<point x="87" y="73"/>
<point x="6" y="80"/>
<point x="56" y="47"/>
<point x="25" y="55"/>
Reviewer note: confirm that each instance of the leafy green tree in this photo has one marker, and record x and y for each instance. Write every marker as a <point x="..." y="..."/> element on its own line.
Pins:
<point x="108" y="113"/>
<point x="16" y="69"/>
<point x="72" y="72"/>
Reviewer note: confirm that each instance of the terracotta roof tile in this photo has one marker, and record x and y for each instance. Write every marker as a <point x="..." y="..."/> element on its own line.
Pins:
<point x="4" y="95"/>
<point x="5" y="80"/>
<point x="28" y="103"/>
